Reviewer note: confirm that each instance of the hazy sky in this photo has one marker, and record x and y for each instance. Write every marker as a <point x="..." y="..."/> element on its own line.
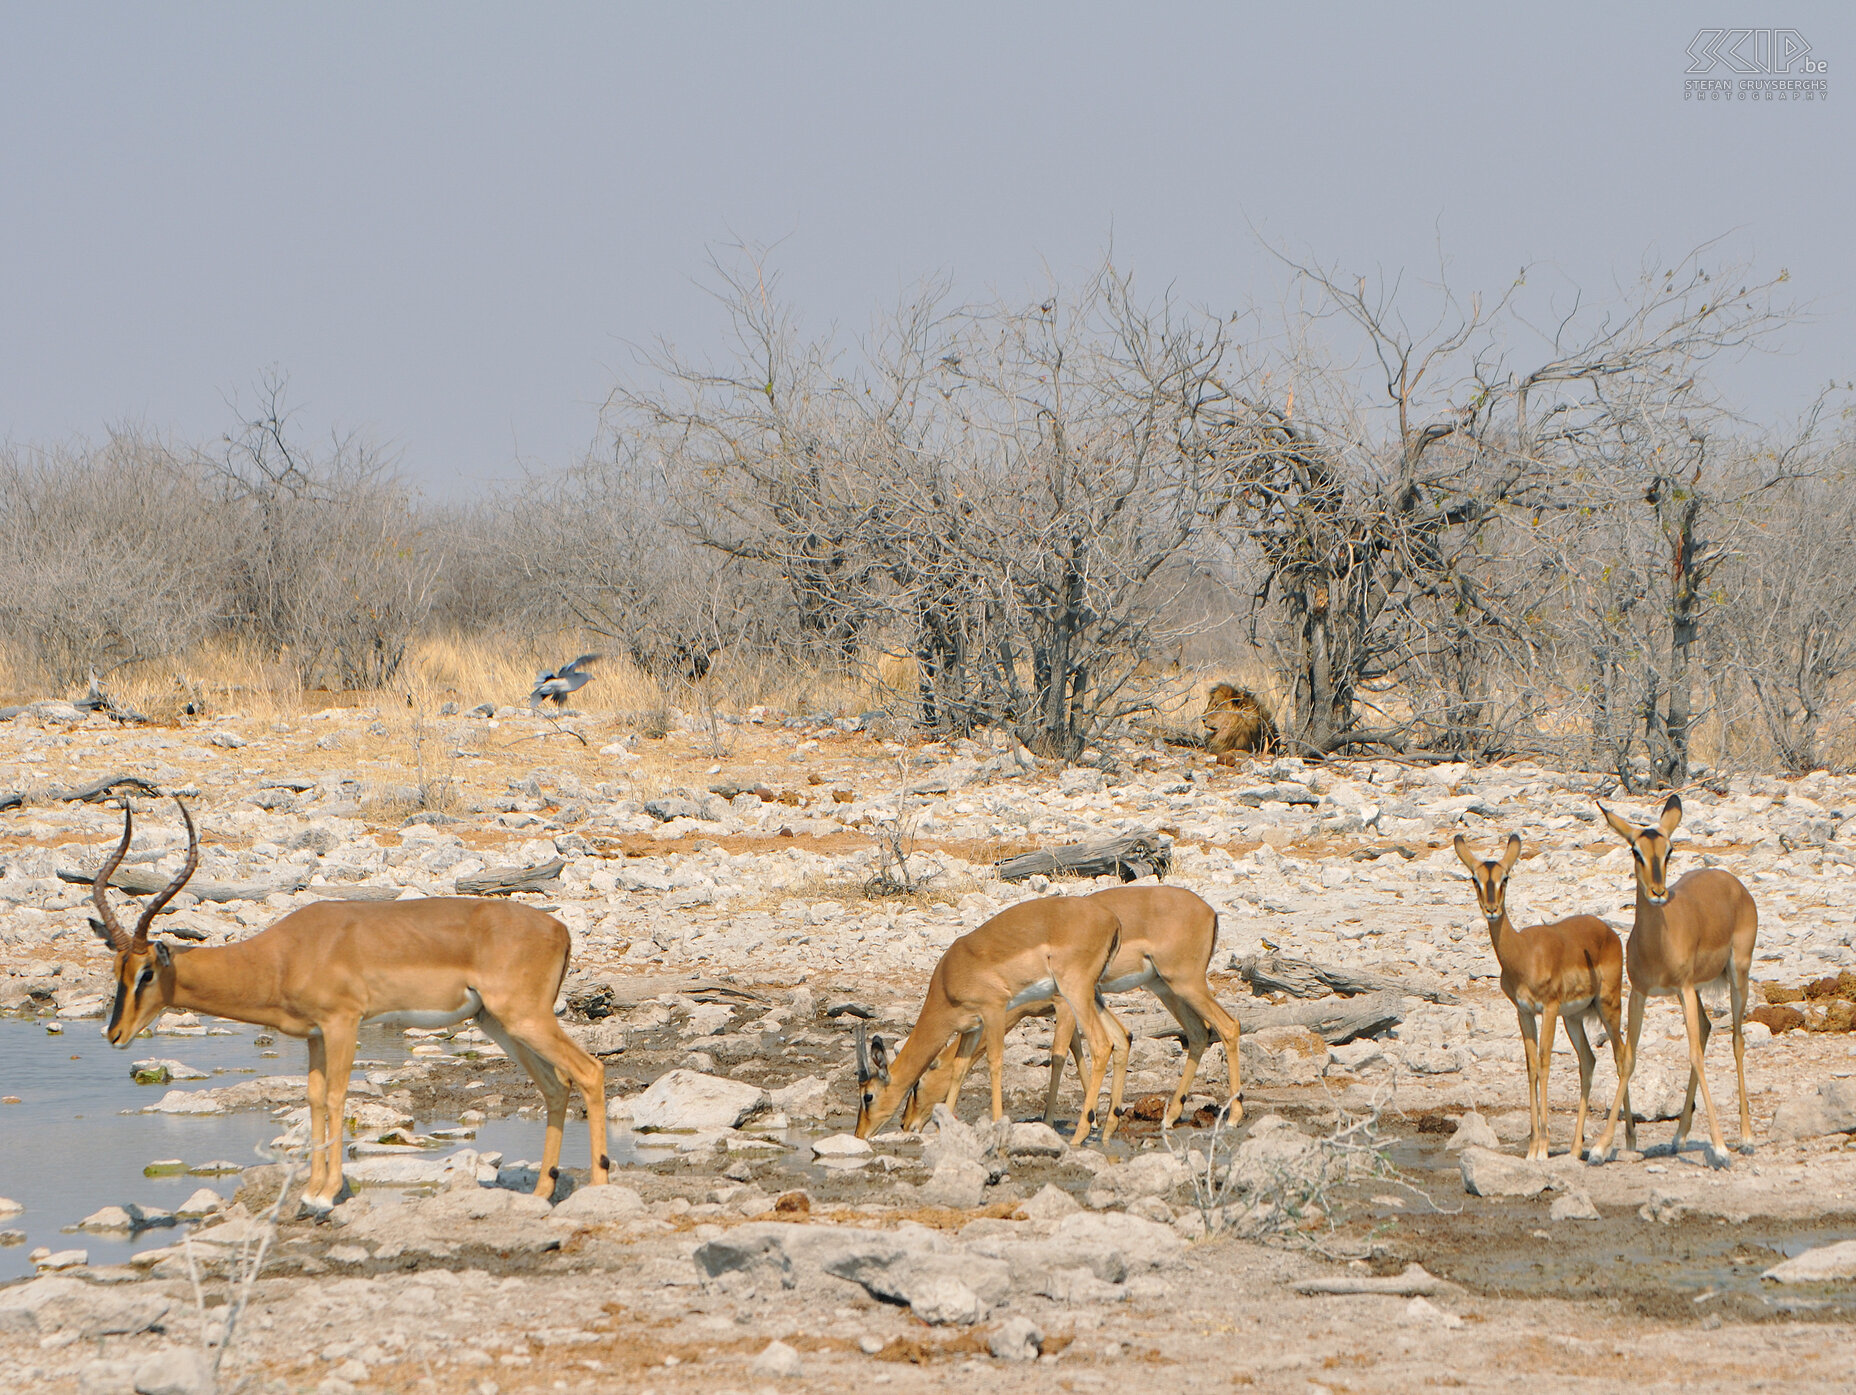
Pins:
<point x="449" y="224"/>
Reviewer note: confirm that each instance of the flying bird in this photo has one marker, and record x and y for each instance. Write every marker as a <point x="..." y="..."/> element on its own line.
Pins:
<point x="556" y="684"/>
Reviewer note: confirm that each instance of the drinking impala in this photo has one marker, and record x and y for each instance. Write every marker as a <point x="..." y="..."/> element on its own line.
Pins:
<point x="323" y="971"/>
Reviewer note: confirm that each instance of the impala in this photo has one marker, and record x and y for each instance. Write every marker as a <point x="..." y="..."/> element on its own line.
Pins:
<point x="1167" y="938"/>
<point x="1053" y="947"/>
<point x="324" y="970"/>
<point x="1568" y="969"/>
<point x="1699" y="931"/>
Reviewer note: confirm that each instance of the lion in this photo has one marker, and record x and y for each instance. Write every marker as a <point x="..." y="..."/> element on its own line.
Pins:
<point x="1236" y="720"/>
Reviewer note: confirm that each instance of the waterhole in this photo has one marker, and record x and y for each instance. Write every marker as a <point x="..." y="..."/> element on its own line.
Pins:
<point x="76" y="1141"/>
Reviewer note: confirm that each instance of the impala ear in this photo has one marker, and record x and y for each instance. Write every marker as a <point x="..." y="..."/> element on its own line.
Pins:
<point x="163" y="956"/>
<point x="1672" y="815"/>
<point x="879" y="1057"/>
<point x="1619" y="827"/>
<point x="1462" y="851"/>
<point x="102" y="932"/>
<point x="1513" y="852"/>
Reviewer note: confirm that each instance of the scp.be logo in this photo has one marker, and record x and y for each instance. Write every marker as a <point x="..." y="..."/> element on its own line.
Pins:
<point x="1762" y="51"/>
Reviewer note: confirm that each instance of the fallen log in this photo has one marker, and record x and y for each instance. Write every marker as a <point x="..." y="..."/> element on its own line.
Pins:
<point x="1415" y="1282"/>
<point x="501" y="881"/>
<point x="1304" y="978"/>
<point x="630" y="992"/>
<point x="90" y="794"/>
<point x="356" y="891"/>
<point x="1334" y="1020"/>
<point x="1129" y="856"/>
<point x="138" y="881"/>
<point x="1287" y="793"/>
<point x="99" y="700"/>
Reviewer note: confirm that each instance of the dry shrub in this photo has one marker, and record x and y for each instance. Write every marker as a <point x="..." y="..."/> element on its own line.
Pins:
<point x="107" y="558"/>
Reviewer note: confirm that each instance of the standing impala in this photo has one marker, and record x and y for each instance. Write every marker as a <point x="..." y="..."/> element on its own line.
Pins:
<point x="1699" y="931"/>
<point x="1053" y="947"/>
<point x="1167" y="938"/>
<point x="324" y="970"/>
<point x="1569" y="968"/>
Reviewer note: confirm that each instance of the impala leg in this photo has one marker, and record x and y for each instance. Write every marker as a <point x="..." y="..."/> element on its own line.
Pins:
<point x="553" y="1060"/>
<point x="570" y="1063"/>
<point x="1625" y="1048"/>
<point x="589" y="1077"/>
<point x="1737" y="992"/>
<point x="1634" y="1034"/>
<point x="1610" y="1012"/>
<point x="1686" y="1119"/>
<point x="966" y="1050"/>
<point x="1197" y="1038"/>
<point x="1074" y="1048"/>
<point x="1097" y="1036"/>
<point x="338" y="1046"/>
<point x="1063" y="1041"/>
<point x="1575" y="1032"/>
<point x="553" y="1090"/>
<point x="1549" y="1027"/>
<point x="1530" y="1046"/>
<point x="1118" y="1054"/>
<point x="1199" y="998"/>
<point x="992" y="1027"/>
<point x="1697" y="1022"/>
<point x="318" y="1115"/>
<point x="554" y="1095"/>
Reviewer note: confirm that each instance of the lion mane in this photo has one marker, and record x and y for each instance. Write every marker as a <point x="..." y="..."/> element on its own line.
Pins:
<point x="1236" y="720"/>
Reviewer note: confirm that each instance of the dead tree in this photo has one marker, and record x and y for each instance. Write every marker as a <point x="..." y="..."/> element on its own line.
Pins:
<point x="1367" y="500"/>
<point x="1791" y="632"/>
<point x="994" y="495"/>
<point x="328" y="569"/>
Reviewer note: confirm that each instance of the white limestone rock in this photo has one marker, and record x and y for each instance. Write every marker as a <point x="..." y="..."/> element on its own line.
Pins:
<point x="691" y="1100"/>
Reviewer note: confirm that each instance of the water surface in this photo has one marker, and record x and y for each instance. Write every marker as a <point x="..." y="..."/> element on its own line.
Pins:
<point x="77" y="1142"/>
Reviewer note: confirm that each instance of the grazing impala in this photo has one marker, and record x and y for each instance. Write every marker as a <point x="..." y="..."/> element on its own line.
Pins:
<point x="1567" y="969"/>
<point x="1167" y="938"/>
<point x="324" y="970"/>
<point x="1054" y="947"/>
<point x="1699" y="931"/>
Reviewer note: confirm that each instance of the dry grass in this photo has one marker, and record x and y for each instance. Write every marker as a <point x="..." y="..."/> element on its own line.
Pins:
<point x="937" y="891"/>
<point x="226" y="675"/>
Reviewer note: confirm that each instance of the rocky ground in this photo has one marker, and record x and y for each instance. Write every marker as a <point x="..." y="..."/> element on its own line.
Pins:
<point x="716" y="879"/>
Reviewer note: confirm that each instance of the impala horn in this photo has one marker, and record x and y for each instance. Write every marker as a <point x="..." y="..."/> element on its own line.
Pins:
<point x="862" y="1035"/>
<point x="139" y="943"/>
<point x="108" y="928"/>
